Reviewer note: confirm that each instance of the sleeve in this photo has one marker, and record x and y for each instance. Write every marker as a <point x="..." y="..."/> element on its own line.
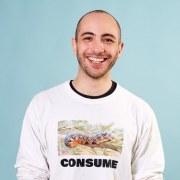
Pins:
<point x="148" y="156"/>
<point x="31" y="162"/>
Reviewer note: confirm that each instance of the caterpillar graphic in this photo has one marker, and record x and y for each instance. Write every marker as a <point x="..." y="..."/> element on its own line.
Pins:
<point x="73" y="139"/>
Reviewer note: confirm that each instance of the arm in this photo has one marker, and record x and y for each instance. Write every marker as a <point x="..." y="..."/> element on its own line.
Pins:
<point x="31" y="161"/>
<point x="148" y="157"/>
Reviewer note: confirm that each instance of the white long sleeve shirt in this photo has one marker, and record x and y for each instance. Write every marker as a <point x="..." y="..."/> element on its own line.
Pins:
<point x="69" y="137"/>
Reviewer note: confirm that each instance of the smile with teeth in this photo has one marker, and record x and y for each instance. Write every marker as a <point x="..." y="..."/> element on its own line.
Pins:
<point x="96" y="60"/>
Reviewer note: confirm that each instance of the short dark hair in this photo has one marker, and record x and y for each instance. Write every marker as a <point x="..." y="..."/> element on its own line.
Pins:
<point x="96" y="11"/>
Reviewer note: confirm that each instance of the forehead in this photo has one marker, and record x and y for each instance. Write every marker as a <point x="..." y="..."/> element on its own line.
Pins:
<point x="99" y="23"/>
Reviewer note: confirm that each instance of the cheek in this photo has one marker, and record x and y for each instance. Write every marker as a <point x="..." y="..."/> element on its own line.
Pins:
<point x="117" y="51"/>
<point x="81" y="49"/>
<point x="112" y="50"/>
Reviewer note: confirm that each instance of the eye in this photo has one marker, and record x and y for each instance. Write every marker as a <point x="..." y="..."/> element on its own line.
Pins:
<point x="108" y="40"/>
<point x="88" y="38"/>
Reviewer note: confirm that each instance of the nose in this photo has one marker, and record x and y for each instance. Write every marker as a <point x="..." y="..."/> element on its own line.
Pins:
<point x="98" y="46"/>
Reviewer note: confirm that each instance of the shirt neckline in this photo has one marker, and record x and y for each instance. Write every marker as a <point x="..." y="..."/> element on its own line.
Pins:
<point x="109" y="92"/>
<point x="78" y="98"/>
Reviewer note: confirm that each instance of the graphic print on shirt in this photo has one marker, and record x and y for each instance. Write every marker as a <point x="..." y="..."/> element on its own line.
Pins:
<point x="78" y="137"/>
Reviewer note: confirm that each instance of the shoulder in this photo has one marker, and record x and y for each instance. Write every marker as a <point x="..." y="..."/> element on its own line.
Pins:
<point x="49" y="95"/>
<point x="142" y="113"/>
<point x="134" y="102"/>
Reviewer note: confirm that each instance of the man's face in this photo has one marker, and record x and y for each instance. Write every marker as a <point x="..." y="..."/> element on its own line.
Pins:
<point x="98" y="46"/>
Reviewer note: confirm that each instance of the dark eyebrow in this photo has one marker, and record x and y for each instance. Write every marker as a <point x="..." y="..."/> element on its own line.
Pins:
<point x="107" y="34"/>
<point x="103" y="35"/>
<point x="87" y="33"/>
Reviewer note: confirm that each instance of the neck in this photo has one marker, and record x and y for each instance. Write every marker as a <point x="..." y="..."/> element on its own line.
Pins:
<point x="92" y="87"/>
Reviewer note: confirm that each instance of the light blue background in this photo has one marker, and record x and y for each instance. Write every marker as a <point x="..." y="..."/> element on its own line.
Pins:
<point x="36" y="54"/>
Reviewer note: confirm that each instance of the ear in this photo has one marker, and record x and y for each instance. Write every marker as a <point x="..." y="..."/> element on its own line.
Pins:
<point x="121" y="45"/>
<point x="74" y="45"/>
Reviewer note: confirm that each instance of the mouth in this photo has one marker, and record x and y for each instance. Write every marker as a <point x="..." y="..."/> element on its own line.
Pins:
<point x="96" y="60"/>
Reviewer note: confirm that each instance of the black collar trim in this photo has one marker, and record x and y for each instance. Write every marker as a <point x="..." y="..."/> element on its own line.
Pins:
<point x="109" y="92"/>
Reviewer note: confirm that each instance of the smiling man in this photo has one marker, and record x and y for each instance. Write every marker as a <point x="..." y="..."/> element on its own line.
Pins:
<point x="90" y="127"/>
<point x="97" y="46"/>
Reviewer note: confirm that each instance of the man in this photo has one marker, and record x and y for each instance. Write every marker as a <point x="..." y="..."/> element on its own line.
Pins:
<point x="90" y="127"/>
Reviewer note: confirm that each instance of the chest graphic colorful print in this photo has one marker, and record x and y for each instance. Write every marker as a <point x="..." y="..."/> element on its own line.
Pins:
<point x="80" y="138"/>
